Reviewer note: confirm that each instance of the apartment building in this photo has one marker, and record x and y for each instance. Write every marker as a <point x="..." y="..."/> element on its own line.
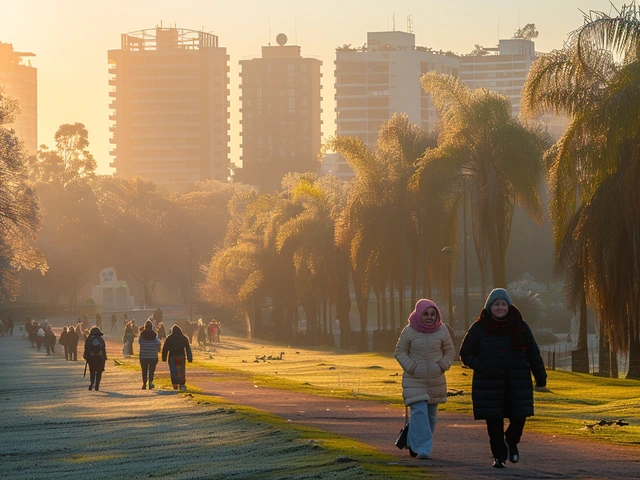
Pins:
<point x="281" y="111"/>
<point x="382" y="78"/>
<point x="20" y="82"/>
<point x="170" y="106"/>
<point x="504" y="70"/>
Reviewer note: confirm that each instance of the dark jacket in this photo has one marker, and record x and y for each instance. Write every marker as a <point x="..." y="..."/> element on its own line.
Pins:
<point x="176" y="345"/>
<point x="149" y="344"/>
<point x="71" y="339"/>
<point x="502" y="357"/>
<point x="96" y="333"/>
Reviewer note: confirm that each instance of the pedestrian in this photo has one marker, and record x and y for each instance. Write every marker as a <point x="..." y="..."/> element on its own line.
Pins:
<point x="40" y="337"/>
<point x="218" y="331"/>
<point x="1" y="329"/>
<point x="63" y="341"/>
<point x="95" y="353"/>
<point x="49" y="340"/>
<point x="10" y="325"/>
<point x="176" y="348"/>
<point x="211" y="328"/>
<point x="149" y="348"/>
<point x="71" y="343"/>
<point x="27" y="329"/>
<point x="114" y="323"/>
<point x="99" y="320"/>
<point x="425" y="352"/>
<point x="33" y="333"/>
<point x="202" y="336"/>
<point x="125" y="320"/>
<point x="127" y="340"/>
<point x="161" y="332"/>
<point x="501" y="350"/>
<point x="157" y="315"/>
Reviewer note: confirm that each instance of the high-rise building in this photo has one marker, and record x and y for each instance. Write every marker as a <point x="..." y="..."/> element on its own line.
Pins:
<point x="20" y="82"/>
<point x="504" y="70"/>
<point x="382" y="78"/>
<point x="281" y="114"/>
<point x="170" y="106"/>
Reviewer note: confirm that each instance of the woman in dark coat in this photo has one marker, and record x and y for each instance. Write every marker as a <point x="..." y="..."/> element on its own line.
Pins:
<point x="71" y="342"/>
<point x="177" y="348"/>
<point x="63" y="341"/>
<point x="95" y="353"/>
<point x="503" y="354"/>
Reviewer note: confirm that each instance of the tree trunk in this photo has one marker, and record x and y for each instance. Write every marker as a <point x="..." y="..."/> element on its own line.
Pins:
<point x="401" y="294"/>
<point x="343" y="298"/>
<point x="634" y="352"/>
<point x="414" y="282"/>
<point x="580" y="356"/>
<point x="384" y="308"/>
<point x="362" y="301"/>
<point x="614" y="362"/>
<point x="604" y="356"/>
<point x="392" y="301"/>
<point x="379" y="308"/>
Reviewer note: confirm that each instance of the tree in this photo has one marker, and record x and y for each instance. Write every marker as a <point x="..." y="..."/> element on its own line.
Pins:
<point x="528" y="32"/>
<point x="69" y="161"/>
<point x="19" y="209"/>
<point x="478" y="51"/>
<point x="500" y="156"/>
<point x="594" y="172"/>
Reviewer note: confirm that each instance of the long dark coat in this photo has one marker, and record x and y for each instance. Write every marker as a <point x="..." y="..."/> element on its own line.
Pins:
<point x="502" y="360"/>
<point x="176" y="345"/>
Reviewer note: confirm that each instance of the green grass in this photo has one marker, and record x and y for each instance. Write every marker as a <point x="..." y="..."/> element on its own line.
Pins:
<point x="574" y="399"/>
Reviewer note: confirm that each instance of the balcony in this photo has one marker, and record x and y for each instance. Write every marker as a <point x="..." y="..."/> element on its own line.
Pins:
<point x="112" y="94"/>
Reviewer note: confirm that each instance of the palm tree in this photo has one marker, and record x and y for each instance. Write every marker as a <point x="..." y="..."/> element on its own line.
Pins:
<point x="594" y="170"/>
<point x="499" y="156"/>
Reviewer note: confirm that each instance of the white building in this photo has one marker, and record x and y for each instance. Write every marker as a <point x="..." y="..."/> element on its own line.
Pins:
<point x="504" y="70"/>
<point x="382" y="78"/>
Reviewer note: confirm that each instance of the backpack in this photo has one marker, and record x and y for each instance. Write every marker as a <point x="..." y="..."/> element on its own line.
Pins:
<point x="96" y="346"/>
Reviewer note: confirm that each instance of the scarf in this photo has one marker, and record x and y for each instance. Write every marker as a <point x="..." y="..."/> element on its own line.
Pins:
<point x="511" y="326"/>
<point x="415" y="319"/>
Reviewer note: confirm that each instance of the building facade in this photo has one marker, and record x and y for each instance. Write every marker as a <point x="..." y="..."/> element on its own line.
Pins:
<point x="20" y="82"/>
<point x="170" y="102"/>
<point x="382" y="78"/>
<point x="504" y="70"/>
<point x="281" y="115"/>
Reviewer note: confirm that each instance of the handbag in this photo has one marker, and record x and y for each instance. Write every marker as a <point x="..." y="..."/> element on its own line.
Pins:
<point x="401" y="440"/>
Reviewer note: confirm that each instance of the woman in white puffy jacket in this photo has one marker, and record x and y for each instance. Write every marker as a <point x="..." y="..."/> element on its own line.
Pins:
<point x="424" y="351"/>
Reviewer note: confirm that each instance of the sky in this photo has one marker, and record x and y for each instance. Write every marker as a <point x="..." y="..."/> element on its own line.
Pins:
<point x="71" y="37"/>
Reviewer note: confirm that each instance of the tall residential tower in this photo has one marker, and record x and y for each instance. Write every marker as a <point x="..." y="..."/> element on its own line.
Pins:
<point x="20" y="82"/>
<point x="281" y="125"/>
<point x="170" y="106"/>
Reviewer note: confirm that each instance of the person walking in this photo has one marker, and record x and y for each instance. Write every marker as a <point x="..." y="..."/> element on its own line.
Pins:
<point x="114" y="323"/>
<point x="149" y="348"/>
<point x="127" y="340"/>
<point x="10" y="326"/>
<point x="95" y="353"/>
<point x="425" y="352"/>
<point x="501" y="350"/>
<point x="40" y="337"/>
<point x="176" y="348"/>
<point x="99" y="320"/>
<point x="71" y="343"/>
<point x="161" y="332"/>
<point x="63" y="341"/>
<point x="49" y="340"/>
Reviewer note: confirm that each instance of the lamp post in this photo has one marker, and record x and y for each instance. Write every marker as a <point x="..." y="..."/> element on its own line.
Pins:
<point x="419" y="223"/>
<point x="464" y="240"/>
<point x="190" y="283"/>
<point x="448" y="251"/>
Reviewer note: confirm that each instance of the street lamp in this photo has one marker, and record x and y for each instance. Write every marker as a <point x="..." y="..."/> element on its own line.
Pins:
<point x="464" y="242"/>
<point x="448" y="251"/>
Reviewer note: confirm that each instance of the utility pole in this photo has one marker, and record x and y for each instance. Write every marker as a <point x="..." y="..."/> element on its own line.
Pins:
<point x="448" y="251"/>
<point x="466" y="275"/>
<point x="190" y="282"/>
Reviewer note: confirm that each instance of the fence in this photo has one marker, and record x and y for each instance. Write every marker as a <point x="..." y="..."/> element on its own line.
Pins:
<point x="558" y="357"/>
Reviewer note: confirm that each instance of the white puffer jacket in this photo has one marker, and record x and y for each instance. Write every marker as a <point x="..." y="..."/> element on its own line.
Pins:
<point x="424" y="357"/>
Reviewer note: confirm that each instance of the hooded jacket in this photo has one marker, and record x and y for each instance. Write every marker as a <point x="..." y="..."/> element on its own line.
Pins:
<point x="424" y="357"/>
<point x="95" y="332"/>
<point x="149" y="343"/>
<point x="176" y="345"/>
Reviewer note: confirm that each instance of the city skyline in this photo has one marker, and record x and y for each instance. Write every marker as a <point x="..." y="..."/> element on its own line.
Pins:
<point x="73" y="70"/>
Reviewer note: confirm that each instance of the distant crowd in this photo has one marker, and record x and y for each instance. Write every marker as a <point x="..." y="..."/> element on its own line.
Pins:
<point x="151" y="337"/>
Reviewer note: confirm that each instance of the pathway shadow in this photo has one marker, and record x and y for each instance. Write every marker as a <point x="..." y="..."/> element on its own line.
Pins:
<point x="119" y="395"/>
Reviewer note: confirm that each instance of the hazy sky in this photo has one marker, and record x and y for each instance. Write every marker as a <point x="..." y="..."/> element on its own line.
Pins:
<point x="71" y="37"/>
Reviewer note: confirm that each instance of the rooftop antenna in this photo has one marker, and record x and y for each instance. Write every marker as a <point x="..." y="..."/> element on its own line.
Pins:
<point x="387" y="21"/>
<point x="269" y="43"/>
<point x="394" y="21"/>
<point x="295" y="28"/>
<point x="410" y="22"/>
<point x="518" y="18"/>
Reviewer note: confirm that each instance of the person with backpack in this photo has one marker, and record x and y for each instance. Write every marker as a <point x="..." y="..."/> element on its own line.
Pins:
<point x="95" y="353"/>
<point x="49" y="340"/>
<point x="176" y="348"/>
<point x="149" y="348"/>
<point x="425" y="352"/>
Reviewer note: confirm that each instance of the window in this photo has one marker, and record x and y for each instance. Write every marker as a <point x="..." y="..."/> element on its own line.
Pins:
<point x="292" y="92"/>
<point x="292" y="104"/>
<point x="303" y="67"/>
<point x="292" y="67"/>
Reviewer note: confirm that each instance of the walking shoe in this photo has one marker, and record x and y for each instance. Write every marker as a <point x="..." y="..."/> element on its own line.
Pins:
<point x="144" y="386"/>
<point x="151" y="386"/>
<point x="91" y="387"/>
<point x="499" y="463"/>
<point x="512" y="453"/>
<point x="424" y="457"/>
<point x="412" y="453"/>
<point x="183" y="387"/>
<point x="97" y="388"/>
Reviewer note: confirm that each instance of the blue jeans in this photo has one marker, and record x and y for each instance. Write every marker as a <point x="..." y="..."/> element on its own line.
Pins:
<point x="421" y="426"/>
